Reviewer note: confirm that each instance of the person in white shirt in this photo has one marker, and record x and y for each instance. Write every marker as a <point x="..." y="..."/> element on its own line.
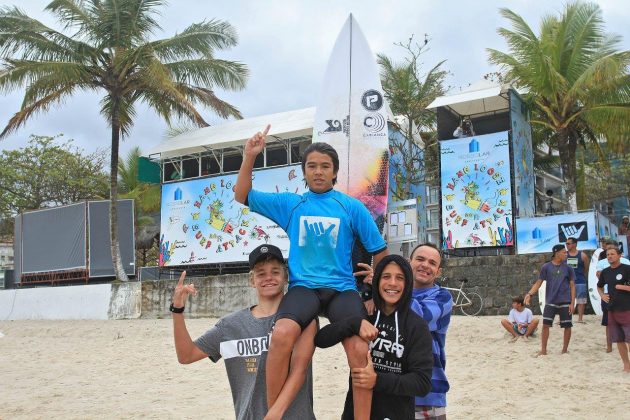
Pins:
<point x="520" y="321"/>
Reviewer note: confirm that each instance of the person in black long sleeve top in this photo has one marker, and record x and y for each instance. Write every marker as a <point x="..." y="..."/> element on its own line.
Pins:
<point x="401" y="359"/>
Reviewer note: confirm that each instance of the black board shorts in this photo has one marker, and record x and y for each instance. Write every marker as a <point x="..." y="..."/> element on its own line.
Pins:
<point x="302" y="305"/>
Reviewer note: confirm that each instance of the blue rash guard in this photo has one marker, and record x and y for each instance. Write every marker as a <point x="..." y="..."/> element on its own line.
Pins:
<point x="322" y="229"/>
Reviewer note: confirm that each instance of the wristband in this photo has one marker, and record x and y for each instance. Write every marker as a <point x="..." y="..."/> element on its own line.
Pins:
<point x="176" y="310"/>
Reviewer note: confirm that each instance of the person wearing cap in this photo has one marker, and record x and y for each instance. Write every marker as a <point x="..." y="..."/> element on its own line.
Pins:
<point x="242" y="340"/>
<point x="559" y="296"/>
<point x="323" y="225"/>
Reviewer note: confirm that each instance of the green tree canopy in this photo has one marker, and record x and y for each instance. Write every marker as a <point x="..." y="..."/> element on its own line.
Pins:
<point x="107" y="49"/>
<point x="409" y="91"/>
<point x="48" y="173"/>
<point x="576" y="78"/>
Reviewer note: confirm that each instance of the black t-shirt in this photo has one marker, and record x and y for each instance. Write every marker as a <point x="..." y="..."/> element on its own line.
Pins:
<point x="619" y="299"/>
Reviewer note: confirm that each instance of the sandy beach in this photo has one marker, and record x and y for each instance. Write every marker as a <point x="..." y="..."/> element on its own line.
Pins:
<point x="128" y="369"/>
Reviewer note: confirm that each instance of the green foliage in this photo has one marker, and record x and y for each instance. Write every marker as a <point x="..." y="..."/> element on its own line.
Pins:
<point x="47" y="173"/>
<point x="575" y="77"/>
<point x="107" y="49"/>
<point x="409" y="92"/>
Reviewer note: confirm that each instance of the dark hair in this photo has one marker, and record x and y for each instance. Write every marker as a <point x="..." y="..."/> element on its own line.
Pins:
<point x="574" y="240"/>
<point x="518" y="299"/>
<point x="430" y="245"/>
<point x="614" y="248"/>
<point x="405" y="298"/>
<point x="325" y="149"/>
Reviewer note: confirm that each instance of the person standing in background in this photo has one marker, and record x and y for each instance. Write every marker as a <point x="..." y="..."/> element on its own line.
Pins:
<point x="579" y="262"/>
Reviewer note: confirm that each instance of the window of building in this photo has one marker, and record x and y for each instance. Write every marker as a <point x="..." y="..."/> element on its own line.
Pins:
<point x="209" y="165"/>
<point x="171" y="171"/>
<point x="276" y="155"/>
<point x="190" y="168"/>
<point x="297" y="149"/>
<point x="433" y="195"/>
<point x="433" y="219"/>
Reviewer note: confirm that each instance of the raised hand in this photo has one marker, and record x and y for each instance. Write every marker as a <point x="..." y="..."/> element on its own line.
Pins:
<point x="367" y="272"/>
<point x="180" y="295"/>
<point x="256" y="144"/>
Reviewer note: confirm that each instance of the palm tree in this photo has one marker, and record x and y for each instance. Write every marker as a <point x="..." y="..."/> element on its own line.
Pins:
<point x="408" y="93"/>
<point x="107" y="49"/>
<point x="576" y="79"/>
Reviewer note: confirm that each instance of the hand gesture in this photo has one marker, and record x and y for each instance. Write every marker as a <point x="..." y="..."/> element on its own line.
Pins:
<point x="571" y="231"/>
<point x="367" y="272"/>
<point x="527" y="299"/>
<point x="316" y="235"/>
<point x="367" y="331"/>
<point x="364" y="377"/>
<point x="256" y="144"/>
<point x="182" y="291"/>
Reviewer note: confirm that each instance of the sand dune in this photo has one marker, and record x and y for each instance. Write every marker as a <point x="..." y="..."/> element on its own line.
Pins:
<point x="128" y="369"/>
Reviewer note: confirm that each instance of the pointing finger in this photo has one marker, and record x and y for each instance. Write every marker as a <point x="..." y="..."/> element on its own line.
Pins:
<point x="266" y="130"/>
<point x="181" y="278"/>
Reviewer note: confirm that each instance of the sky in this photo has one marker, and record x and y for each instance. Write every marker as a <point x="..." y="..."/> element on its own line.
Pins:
<point x="286" y="44"/>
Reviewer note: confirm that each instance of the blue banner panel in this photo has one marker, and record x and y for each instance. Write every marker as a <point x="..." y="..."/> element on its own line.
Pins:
<point x="539" y="234"/>
<point x="202" y="224"/>
<point x="476" y="192"/>
<point x="523" y="156"/>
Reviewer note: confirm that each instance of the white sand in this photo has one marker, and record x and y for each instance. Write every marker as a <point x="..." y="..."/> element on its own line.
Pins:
<point x="128" y="369"/>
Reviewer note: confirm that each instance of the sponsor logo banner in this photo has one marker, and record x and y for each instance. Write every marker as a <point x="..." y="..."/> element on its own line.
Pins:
<point x="539" y="234"/>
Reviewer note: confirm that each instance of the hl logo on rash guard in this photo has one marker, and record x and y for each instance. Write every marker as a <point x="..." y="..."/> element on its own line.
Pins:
<point x="318" y="231"/>
<point x="245" y="347"/>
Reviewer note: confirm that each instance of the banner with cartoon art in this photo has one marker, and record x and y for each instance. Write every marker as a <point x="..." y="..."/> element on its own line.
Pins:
<point x="202" y="224"/>
<point x="476" y="192"/>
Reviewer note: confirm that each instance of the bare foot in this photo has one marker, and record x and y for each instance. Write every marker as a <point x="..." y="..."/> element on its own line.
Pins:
<point x="608" y="349"/>
<point x="526" y="338"/>
<point x="564" y="352"/>
<point x="514" y="339"/>
<point x="541" y="353"/>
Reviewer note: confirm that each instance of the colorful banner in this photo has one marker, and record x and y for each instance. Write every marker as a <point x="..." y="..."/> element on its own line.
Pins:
<point x="539" y="234"/>
<point x="524" y="178"/>
<point x="202" y="224"/>
<point x="406" y="181"/>
<point x="476" y="192"/>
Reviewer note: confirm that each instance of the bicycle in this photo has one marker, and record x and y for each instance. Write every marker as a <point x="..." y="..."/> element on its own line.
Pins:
<point x="470" y="303"/>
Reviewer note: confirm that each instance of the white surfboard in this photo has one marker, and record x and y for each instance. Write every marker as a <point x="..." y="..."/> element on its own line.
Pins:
<point x="351" y="115"/>
<point x="541" y="296"/>
<point x="596" y="301"/>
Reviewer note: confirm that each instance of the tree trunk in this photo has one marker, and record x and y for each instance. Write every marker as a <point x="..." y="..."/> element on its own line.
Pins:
<point x="113" y="211"/>
<point x="567" y="148"/>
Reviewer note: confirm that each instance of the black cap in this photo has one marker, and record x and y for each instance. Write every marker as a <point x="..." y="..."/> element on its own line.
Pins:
<point x="558" y="247"/>
<point x="264" y="251"/>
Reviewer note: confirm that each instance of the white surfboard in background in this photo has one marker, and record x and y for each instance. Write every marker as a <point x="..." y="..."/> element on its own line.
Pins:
<point x="596" y="301"/>
<point x="351" y="115"/>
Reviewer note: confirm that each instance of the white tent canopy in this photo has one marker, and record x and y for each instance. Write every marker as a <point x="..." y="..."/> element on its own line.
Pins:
<point x="480" y="98"/>
<point x="284" y="125"/>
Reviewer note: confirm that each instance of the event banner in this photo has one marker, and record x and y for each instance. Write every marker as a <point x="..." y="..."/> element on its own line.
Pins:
<point x="524" y="178"/>
<point x="476" y="192"/>
<point x="539" y="234"/>
<point x="202" y="224"/>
